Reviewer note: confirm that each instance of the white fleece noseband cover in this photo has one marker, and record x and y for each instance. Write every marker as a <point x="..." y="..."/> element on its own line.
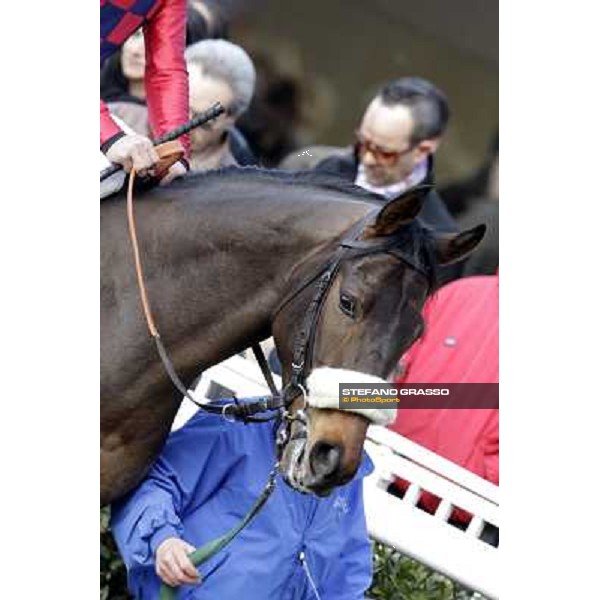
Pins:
<point x="324" y="392"/>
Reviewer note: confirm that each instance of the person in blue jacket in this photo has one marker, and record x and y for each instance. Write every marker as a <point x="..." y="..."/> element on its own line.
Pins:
<point x="299" y="547"/>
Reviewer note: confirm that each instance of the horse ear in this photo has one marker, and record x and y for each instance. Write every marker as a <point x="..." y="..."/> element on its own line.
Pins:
<point x="454" y="247"/>
<point x="398" y="211"/>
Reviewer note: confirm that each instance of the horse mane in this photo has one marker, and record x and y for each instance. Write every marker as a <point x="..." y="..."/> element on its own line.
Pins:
<point x="245" y="174"/>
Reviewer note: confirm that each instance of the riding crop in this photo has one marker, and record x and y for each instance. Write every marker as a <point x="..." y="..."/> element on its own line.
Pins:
<point x="200" y="119"/>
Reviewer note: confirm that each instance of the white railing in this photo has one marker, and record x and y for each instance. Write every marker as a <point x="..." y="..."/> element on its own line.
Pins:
<point x="398" y="522"/>
<point x="430" y="539"/>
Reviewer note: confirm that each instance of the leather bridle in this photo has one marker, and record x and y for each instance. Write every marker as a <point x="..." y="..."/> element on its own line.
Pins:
<point x="404" y="245"/>
<point x="350" y="248"/>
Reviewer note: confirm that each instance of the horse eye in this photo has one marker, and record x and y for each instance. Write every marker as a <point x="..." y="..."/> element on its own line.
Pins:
<point x="348" y="305"/>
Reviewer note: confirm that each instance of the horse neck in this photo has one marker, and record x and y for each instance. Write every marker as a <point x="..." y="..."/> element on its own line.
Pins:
<point x="216" y="270"/>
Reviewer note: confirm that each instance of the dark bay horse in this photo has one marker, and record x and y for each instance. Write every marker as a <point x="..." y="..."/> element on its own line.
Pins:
<point x="221" y="252"/>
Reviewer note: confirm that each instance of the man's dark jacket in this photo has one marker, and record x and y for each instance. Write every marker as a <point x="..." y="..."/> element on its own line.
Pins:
<point x="434" y="212"/>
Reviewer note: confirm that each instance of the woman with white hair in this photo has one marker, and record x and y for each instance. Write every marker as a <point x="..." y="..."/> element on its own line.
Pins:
<point x="219" y="71"/>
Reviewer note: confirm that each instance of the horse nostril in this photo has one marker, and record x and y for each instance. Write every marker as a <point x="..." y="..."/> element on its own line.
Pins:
<point x="325" y="459"/>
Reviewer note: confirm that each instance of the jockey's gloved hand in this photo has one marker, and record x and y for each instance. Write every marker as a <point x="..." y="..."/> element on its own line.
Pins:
<point x="133" y="150"/>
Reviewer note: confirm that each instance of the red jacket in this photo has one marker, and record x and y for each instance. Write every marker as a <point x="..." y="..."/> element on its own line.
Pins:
<point x="460" y="345"/>
<point x="166" y="78"/>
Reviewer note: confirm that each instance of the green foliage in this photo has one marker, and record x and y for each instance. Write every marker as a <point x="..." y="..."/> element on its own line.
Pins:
<point x="113" y="577"/>
<point x="398" y="577"/>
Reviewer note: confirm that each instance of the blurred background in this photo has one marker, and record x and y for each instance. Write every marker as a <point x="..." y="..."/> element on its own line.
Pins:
<point x="319" y="64"/>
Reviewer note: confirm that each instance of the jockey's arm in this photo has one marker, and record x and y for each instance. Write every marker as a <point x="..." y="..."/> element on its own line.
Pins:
<point x="109" y="130"/>
<point x="166" y="77"/>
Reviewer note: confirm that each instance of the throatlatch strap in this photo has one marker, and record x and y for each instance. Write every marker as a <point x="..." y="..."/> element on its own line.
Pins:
<point x="264" y="367"/>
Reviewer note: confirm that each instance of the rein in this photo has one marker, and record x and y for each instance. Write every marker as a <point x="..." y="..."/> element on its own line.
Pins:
<point x="243" y="412"/>
<point x="170" y="151"/>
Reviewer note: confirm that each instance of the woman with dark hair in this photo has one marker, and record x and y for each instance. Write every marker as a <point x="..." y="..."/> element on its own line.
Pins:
<point x="122" y="84"/>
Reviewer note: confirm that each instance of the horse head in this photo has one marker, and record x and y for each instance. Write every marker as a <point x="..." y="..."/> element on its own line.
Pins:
<point x="356" y="310"/>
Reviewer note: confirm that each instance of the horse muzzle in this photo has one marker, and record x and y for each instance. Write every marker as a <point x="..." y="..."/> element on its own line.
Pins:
<point x="312" y="470"/>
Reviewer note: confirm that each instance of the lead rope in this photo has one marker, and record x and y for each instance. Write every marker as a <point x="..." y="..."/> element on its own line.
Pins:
<point x="206" y="552"/>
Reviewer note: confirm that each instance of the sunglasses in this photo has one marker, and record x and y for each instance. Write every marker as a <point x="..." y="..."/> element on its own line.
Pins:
<point x="381" y="155"/>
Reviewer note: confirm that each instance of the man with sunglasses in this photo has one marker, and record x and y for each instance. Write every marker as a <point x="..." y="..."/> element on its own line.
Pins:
<point x="398" y="135"/>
